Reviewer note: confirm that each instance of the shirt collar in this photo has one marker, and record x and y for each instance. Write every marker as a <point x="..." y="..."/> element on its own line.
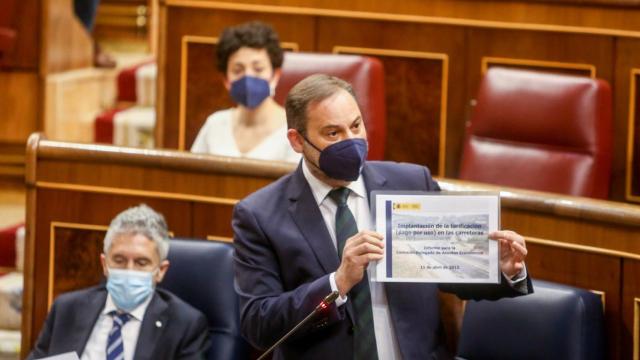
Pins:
<point x="320" y="190"/>
<point x="137" y="313"/>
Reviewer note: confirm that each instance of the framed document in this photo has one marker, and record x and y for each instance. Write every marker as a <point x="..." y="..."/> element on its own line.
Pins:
<point x="437" y="237"/>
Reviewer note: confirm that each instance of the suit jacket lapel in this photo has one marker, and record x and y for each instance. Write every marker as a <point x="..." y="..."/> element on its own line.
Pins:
<point x="89" y="313"/>
<point x="373" y="180"/>
<point x="306" y="214"/>
<point x="153" y="325"/>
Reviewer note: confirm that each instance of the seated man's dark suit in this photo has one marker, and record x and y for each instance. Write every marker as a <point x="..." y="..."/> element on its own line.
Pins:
<point x="284" y="255"/>
<point x="170" y="329"/>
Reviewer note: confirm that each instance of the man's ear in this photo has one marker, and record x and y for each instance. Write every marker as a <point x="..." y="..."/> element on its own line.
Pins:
<point x="295" y="140"/>
<point x="162" y="270"/>
<point x="276" y="77"/>
<point x="103" y="262"/>
<point x="226" y="82"/>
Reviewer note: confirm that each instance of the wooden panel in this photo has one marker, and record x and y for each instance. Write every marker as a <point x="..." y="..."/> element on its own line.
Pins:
<point x="421" y="104"/>
<point x="65" y="117"/>
<point x="577" y="269"/>
<point x="506" y="14"/>
<point x="585" y="232"/>
<point x="205" y="92"/>
<point x="132" y="180"/>
<point x="123" y="20"/>
<point x="208" y="23"/>
<point x="75" y="262"/>
<point x="633" y="151"/>
<point x="212" y="221"/>
<point x="19" y="106"/>
<point x="631" y="310"/>
<point x="68" y="206"/>
<point x="539" y="65"/>
<point x="538" y="46"/>
<point x="416" y="98"/>
<point x="630" y="3"/>
<point x="627" y="59"/>
<point x="49" y="38"/>
<point x="414" y="110"/>
<point x="12" y="161"/>
<point x="25" y="54"/>
<point x="66" y="43"/>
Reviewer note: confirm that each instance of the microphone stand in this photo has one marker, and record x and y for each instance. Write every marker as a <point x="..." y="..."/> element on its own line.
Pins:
<point x="328" y="300"/>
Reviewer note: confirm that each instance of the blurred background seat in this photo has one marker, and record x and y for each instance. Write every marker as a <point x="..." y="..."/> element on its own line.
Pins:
<point x="555" y="322"/>
<point x="131" y="121"/>
<point x="11" y="287"/>
<point x="201" y="274"/>
<point x="540" y="131"/>
<point x="365" y="74"/>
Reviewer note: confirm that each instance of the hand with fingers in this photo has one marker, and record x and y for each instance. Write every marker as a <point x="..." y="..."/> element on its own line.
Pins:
<point x="359" y="250"/>
<point x="513" y="251"/>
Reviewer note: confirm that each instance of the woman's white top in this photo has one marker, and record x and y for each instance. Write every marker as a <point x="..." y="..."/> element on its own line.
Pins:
<point x="216" y="137"/>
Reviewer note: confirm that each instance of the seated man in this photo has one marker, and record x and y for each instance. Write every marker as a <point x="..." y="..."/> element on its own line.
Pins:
<point x="309" y="234"/>
<point x="128" y="318"/>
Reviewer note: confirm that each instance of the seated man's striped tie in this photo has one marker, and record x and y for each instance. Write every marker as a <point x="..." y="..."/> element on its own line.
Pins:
<point x="115" y="348"/>
<point x="365" y="339"/>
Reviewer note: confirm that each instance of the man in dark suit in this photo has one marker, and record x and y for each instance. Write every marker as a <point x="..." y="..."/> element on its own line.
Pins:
<point x="309" y="233"/>
<point x="129" y="318"/>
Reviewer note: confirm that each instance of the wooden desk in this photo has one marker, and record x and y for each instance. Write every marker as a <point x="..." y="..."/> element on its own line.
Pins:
<point x="74" y="190"/>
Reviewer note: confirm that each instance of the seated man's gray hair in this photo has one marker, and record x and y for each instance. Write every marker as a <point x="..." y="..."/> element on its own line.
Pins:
<point x="141" y="220"/>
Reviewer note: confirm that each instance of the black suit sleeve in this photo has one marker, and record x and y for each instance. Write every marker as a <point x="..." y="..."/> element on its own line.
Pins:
<point x="261" y="291"/>
<point x="431" y="184"/>
<point x="41" y="349"/>
<point x="487" y="291"/>
<point x="196" y="340"/>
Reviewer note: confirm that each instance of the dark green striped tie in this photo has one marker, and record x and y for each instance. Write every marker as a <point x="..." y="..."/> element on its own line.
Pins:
<point x="346" y="227"/>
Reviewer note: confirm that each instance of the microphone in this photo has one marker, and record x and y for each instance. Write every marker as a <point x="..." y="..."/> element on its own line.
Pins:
<point x="328" y="300"/>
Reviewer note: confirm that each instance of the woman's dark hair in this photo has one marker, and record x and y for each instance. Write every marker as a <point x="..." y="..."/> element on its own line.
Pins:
<point x="254" y="34"/>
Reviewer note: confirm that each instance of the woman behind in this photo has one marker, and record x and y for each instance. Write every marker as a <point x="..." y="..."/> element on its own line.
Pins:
<point x="250" y="58"/>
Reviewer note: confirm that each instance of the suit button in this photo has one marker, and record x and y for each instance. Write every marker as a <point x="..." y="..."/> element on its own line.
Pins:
<point x="351" y="330"/>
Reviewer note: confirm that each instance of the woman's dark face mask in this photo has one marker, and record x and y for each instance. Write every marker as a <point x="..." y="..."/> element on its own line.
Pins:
<point x="250" y="91"/>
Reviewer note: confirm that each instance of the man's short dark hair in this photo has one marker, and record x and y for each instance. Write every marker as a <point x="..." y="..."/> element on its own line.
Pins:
<point x="254" y="34"/>
<point x="312" y="89"/>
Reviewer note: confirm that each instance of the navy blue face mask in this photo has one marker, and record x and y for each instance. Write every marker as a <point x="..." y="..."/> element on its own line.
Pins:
<point x="342" y="160"/>
<point x="250" y="91"/>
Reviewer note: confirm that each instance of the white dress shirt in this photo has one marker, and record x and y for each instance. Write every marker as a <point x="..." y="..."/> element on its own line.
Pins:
<point x="96" y="348"/>
<point x="359" y="206"/>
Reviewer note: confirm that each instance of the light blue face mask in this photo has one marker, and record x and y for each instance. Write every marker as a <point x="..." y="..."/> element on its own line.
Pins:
<point x="129" y="288"/>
